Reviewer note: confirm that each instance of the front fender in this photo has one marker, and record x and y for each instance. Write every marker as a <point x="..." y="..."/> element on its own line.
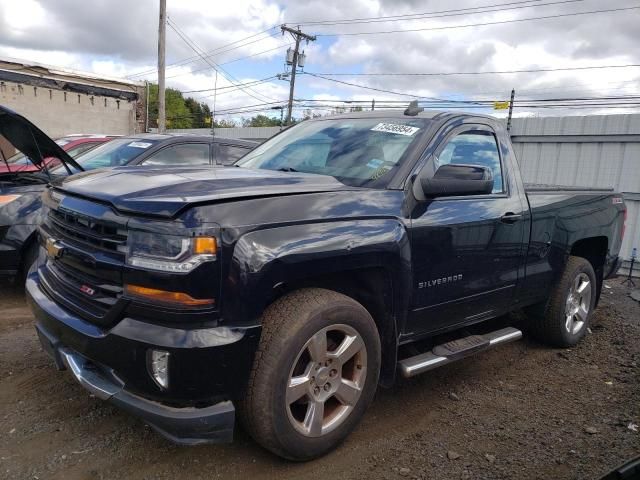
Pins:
<point x="265" y="259"/>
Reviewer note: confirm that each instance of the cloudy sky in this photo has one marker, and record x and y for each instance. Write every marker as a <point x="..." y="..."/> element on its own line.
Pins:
<point x="118" y="38"/>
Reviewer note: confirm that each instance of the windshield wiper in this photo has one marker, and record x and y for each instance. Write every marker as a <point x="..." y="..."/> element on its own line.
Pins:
<point x="287" y="169"/>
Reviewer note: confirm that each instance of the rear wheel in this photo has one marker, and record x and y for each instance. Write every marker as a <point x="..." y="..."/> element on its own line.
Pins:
<point x="315" y="373"/>
<point x="564" y="320"/>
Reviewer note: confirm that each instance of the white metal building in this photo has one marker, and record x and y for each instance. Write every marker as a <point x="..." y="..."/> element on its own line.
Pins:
<point x="592" y="151"/>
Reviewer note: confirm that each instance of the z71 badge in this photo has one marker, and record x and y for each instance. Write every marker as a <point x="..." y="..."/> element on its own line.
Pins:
<point x="440" y="281"/>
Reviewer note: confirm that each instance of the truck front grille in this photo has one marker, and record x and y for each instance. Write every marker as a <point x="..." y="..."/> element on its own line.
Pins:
<point x="87" y="279"/>
<point x="89" y="232"/>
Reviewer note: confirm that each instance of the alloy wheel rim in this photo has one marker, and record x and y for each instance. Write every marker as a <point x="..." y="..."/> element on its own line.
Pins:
<point x="326" y="380"/>
<point x="578" y="304"/>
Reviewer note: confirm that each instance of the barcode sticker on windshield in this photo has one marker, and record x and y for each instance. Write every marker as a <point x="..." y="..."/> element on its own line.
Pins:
<point x="140" y="144"/>
<point x="395" y="128"/>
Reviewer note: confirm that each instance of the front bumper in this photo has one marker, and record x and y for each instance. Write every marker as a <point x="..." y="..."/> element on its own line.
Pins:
<point x="98" y="359"/>
<point x="188" y="426"/>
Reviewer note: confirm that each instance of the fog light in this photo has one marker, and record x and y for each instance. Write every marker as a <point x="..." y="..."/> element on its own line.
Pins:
<point x="158" y="367"/>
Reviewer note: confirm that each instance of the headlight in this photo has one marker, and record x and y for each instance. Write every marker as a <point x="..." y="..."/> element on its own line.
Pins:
<point x="4" y="199"/>
<point x="168" y="253"/>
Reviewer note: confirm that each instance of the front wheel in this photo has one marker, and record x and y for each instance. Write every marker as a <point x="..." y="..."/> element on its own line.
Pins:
<point x="315" y="373"/>
<point x="566" y="315"/>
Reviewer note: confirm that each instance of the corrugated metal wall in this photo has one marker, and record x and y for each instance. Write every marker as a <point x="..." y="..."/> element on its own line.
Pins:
<point x="592" y="151"/>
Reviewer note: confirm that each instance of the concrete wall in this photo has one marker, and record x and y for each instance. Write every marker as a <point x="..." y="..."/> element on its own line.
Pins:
<point x="62" y="101"/>
<point x="58" y="113"/>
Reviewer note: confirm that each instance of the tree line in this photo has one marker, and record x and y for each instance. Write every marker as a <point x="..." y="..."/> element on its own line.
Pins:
<point x="187" y="112"/>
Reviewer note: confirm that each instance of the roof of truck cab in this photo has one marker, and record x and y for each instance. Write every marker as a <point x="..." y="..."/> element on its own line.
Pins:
<point x="426" y="113"/>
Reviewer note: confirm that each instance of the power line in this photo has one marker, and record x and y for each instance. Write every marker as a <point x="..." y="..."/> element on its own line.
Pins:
<point x="484" y="24"/>
<point x="489" y="72"/>
<point x="215" y="51"/>
<point x="439" y="14"/>
<point x="407" y="15"/>
<point x="254" y="82"/>
<point x="329" y="107"/>
<point x="472" y="100"/>
<point x="231" y="61"/>
<point x="392" y="92"/>
<point x="371" y="88"/>
<point x="215" y="66"/>
<point x="197" y="49"/>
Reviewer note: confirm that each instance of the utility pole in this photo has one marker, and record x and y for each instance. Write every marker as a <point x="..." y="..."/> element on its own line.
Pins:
<point x="513" y="95"/>
<point x="297" y="35"/>
<point x="162" y="33"/>
<point x="146" y="104"/>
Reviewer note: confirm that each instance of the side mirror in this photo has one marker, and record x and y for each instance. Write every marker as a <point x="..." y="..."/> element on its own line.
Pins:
<point x="453" y="179"/>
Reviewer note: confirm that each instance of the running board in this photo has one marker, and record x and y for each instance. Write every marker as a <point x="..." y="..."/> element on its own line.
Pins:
<point x="451" y="351"/>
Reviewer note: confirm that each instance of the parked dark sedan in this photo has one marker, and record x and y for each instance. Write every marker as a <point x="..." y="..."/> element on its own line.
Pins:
<point x="150" y="149"/>
<point x="20" y="192"/>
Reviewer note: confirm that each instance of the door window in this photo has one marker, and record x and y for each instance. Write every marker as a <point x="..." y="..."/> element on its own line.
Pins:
<point x="229" y="154"/>
<point x="474" y="149"/>
<point x="181" y="154"/>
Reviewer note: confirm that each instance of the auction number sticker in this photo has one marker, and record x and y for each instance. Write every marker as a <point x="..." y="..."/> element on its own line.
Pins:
<point x="406" y="130"/>
<point x="140" y="144"/>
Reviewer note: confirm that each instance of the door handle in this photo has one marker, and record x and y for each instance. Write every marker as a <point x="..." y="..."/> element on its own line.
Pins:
<point x="510" y="217"/>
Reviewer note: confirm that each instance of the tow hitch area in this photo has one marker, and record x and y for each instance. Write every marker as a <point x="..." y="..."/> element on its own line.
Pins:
<point x="455" y="350"/>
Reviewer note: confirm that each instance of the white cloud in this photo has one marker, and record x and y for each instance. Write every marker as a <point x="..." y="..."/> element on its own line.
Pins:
<point x="98" y="36"/>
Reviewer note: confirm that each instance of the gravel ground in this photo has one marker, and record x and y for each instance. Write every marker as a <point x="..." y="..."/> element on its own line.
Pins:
<point x="520" y="411"/>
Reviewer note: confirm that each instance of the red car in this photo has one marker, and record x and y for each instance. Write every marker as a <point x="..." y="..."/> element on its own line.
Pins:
<point x="74" y="145"/>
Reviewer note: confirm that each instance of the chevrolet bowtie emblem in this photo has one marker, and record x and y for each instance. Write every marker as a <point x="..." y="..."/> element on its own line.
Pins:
<point x="54" y="249"/>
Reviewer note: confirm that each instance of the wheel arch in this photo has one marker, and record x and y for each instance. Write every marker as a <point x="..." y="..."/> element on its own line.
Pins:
<point x="368" y="261"/>
<point x="594" y="250"/>
<point x="374" y="288"/>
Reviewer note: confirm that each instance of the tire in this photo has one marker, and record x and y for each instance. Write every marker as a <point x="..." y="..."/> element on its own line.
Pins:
<point x="29" y="256"/>
<point x="294" y="372"/>
<point x="564" y="319"/>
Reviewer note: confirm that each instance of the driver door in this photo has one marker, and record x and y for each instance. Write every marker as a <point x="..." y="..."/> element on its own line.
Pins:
<point x="466" y="250"/>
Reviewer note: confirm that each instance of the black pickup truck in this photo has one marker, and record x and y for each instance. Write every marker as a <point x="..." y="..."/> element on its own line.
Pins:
<point x="342" y="253"/>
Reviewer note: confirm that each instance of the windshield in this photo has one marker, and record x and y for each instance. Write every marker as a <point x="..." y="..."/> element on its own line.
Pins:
<point x="357" y="152"/>
<point x="111" y="154"/>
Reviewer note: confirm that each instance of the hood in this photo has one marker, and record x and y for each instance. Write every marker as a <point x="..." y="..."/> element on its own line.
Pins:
<point x="164" y="192"/>
<point x="30" y="140"/>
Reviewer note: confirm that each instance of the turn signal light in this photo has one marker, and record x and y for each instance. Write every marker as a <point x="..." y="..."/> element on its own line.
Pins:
<point x="176" y="298"/>
<point x="205" y="246"/>
<point x="4" y="199"/>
